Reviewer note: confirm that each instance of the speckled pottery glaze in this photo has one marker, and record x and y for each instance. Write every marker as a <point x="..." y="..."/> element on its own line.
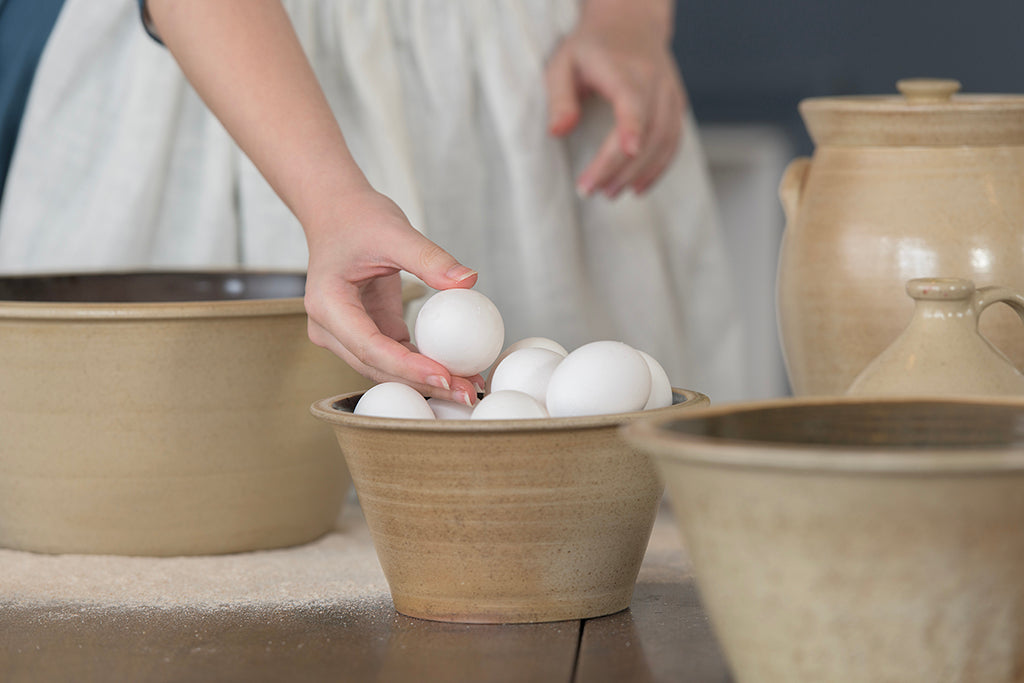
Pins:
<point x="928" y="183"/>
<point x="163" y="414"/>
<point x="503" y="521"/>
<point x="848" y="540"/>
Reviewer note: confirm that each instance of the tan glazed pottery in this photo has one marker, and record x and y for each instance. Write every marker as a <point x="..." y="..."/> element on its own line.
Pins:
<point x="849" y="541"/>
<point x="163" y="414"/>
<point x="941" y="353"/>
<point x="928" y="183"/>
<point x="503" y="521"/>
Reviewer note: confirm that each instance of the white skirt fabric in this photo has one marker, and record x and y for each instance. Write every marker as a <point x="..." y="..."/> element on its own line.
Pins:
<point x="119" y="166"/>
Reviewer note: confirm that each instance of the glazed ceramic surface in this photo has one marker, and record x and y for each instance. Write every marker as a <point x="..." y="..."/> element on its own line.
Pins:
<point x="163" y="414"/>
<point x="941" y="353"/>
<point x="503" y="521"/>
<point x="924" y="184"/>
<point x="842" y="540"/>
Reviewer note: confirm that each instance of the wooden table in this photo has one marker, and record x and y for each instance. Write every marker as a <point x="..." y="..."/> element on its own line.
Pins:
<point x="664" y="636"/>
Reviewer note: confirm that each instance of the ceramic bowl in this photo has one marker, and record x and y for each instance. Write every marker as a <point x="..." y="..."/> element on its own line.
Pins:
<point x="503" y="521"/>
<point x="163" y="414"/>
<point x="851" y="540"/>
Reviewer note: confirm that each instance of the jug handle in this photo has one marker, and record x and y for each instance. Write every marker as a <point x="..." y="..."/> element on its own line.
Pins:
<point x="791" y="187"/>
<point x="986" y="296"/>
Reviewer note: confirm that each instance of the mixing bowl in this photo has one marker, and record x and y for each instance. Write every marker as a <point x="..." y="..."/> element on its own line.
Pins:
<point x="163" y="414"/>
<point x="503" y="521"/>
<point x="852" y="540"/>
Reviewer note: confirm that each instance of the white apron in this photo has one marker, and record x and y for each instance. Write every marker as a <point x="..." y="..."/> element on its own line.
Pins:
<point x="119" y="165"/>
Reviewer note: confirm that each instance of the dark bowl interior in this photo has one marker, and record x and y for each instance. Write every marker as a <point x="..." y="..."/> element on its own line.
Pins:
<point x="909" y="423"/>
<point x="348" y="404"/>
<point x="152" y="287"/>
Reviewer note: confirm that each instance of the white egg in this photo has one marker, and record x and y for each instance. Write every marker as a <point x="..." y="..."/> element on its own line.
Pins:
<point x="394" y="399"/>
<point x="599" y="378"/>
<point x="508" y="405"/>
<point x="449" y="410"/>
<point x="461" y="329"/>
<point x="527" y="343"/>
<point x="661" y="387"/>
<point x="527" y="370"/>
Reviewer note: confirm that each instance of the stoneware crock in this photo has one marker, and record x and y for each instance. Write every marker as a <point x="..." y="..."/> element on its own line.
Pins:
<point x="503" y="521"/>
<point x="854" y="540"/>
<point x="942" y="353"/>
<point x="163" y="414"/>
<point x="928" y="183"/>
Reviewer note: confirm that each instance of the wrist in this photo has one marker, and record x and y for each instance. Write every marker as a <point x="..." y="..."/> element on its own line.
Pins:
<point x="655" y="18"/>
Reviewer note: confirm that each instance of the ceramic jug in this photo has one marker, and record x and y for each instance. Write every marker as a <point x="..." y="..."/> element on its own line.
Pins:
<point x="941" y="352"/>
<point x="923" y="184"/>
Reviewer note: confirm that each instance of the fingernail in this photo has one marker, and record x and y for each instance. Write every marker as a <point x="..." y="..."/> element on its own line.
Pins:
<point x="438" y="381"/>
<point x="459" y="273"/>
<point x="584" y="188"/>
<point x="463" y="397"/>
<point x="479" y="389"/>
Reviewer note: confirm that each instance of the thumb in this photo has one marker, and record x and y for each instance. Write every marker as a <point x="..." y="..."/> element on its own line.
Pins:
<point x="629" y="105"/>
<point x="563" y="95"/>
<point x="432" y="264"/>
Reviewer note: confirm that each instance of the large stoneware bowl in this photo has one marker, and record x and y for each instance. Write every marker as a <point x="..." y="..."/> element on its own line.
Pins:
<point x="848" y="540"/>
<point x="503" y="521"/>
<point x="163" y="414"/>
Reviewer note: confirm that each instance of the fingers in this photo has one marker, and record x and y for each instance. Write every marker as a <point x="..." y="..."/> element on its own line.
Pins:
<point x="629" y="93"/>
<point x="610" y="158"/>
<point x="563" y="93"/>
<point x="644" y="169"/>
<point x="612" y="170"/>
<point x="378" y="357"/>
<point x="436" y="267"/>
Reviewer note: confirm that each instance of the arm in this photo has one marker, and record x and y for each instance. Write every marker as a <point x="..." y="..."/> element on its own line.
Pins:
<point x="621" y="51"/>
<point x="244" y="60"/>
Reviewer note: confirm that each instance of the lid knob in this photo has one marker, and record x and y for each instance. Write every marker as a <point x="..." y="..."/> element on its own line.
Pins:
<point x="927" y="90"/>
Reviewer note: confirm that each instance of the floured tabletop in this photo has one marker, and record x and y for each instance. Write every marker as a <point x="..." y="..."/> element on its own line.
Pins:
<point x="322" y="611"/>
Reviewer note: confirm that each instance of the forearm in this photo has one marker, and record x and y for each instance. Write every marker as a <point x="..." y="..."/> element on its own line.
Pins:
<point x="245" y="61"/>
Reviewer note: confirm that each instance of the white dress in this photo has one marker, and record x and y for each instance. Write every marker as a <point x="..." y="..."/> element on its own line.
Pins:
<point x="120" y="166"/>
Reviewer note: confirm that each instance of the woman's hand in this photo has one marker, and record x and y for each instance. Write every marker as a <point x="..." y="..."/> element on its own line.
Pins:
<point x="353" y="294"/>
<point x="620" y="50"/>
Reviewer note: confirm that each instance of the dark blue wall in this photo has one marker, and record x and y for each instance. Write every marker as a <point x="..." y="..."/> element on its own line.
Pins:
<point x="753" y="60"/>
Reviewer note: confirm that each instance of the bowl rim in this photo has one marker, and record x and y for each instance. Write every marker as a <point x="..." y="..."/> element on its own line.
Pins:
<point x="142" y="310"/>
<point x="324" y="409"/>
<point x="139" y="310"/>
<point x="663" y="445"/>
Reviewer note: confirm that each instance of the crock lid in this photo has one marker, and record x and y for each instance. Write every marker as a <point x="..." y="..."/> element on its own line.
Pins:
<point x="927" y="112"/>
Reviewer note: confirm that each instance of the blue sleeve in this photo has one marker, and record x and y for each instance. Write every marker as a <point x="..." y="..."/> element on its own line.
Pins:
<point x="147" y="22"/>
<point x="25" y="26"/>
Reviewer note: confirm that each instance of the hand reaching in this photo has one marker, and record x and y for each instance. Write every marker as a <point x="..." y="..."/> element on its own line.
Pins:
<point x="620" y="51"/>
<point x="353" y="294"/>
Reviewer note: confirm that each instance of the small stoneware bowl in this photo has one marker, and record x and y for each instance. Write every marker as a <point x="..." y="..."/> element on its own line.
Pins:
<point x="854" y="540"/>
<point x="503" y="521"/>
<point x="163" y="414"/>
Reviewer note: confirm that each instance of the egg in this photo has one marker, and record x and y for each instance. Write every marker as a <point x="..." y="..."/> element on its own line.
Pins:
<point x="661" y="387"/>
<point x="461" y="329"/>
<point x="394" y="399"/>
<point x="527" y="343"/>
<point x="599" y="378"/>
<point x="527" y="370"/>
<point x="508" y="405"/>
<point x="449" y="410"/>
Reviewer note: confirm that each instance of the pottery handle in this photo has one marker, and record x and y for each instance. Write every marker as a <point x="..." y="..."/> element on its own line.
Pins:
<point x="791" y="188"/>
<point x="986" y="296"/>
